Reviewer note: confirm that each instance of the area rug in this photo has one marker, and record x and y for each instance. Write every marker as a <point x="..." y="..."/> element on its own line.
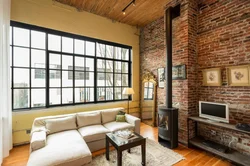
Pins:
<point x="156" y="155"/>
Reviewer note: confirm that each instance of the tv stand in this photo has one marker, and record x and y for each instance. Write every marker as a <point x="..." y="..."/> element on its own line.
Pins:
<point x="198" y="141"/>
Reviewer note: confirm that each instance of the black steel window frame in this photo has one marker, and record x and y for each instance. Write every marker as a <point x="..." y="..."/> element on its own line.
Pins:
<point x="48" y="31"/>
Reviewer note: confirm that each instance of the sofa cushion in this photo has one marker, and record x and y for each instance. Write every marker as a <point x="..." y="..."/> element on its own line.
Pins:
<point x="93" y="133"/>
<point x="88" y="118"/>
<point x="60" y="124"/>
<point x="63" y="149"/>
<point x="115" y="126"/>
<point x="109" y="115"/>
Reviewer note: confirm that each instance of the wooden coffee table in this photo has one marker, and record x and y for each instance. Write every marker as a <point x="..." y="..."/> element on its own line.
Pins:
<point x="121" y="144"/>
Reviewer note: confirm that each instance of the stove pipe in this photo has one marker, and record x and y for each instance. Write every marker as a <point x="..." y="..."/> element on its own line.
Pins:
<point x="168" y="69"/>
<point x="170" y="14"/>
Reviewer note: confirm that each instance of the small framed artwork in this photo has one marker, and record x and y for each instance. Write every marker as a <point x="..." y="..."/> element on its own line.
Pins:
<point x="212" y="77"/>
<point x="161" y="77"/>
<point x="179" y="72"/>
<point x="238" y="75"/>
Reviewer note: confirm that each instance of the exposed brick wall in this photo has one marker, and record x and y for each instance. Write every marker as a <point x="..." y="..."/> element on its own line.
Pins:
<point x="224" y="40"/>
<point x="153" y="56"/>
<point x="209" y="33"/>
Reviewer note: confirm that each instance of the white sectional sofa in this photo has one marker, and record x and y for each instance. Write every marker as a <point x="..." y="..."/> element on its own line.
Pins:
<point x="68" y="140"/>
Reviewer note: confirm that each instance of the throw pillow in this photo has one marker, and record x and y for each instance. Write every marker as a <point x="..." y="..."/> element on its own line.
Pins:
<point x="121" y="113"/>
<point x="120" y="118"/>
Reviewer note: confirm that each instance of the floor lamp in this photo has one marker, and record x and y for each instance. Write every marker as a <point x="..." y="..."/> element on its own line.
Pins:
<point x="129" y="92"/>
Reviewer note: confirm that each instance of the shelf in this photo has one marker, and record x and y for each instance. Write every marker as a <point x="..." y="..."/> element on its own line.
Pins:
<point x="218" y="124"/>
<point x="233" y="155"/>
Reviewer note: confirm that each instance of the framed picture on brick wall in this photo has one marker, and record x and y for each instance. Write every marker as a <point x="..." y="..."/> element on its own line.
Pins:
<point x="179" y="72"/>
<point x="238" y="75"/>
<point x="212" y="77"/>
<point x="161" y="77"/>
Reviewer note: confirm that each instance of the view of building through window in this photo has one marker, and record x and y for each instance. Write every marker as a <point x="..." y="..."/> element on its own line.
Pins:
<point x="51" y="69"/>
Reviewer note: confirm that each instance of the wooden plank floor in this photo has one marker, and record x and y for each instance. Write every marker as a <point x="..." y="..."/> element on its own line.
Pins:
<point x="194" y="157"/>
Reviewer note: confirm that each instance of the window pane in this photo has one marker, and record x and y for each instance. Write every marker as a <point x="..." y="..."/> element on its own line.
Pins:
<point x="100" y="94"/>
<point x="89" y="64"/>
<point x="109" y="93"/>
<point x="21" y="77"/>
<point x="124" y="80"/>
<point x="150" y="94"/>
<point x="67" y="95"/>
<point x="89" y="79"/>
<point x="118" y="93"/>
<point x="21" y="57"/>
<point x="79" y="95"/>
<point x="38" y="98"/>
<point x="109" y="51"/>
<point x="125" y="54"/>
<point x="109" y="66"/>
<point x="21" y="37"/>
<point x="118" y="67"/>
<point x="89" y="94"/>
<point x="10" y="35"/>
<point x="79" y="63"/>
<point x="100" y="65"/>
<point x="38" y="77"/>
<point x="79" y="47"/>
<point x="10" y="55"/>
<point x="21" y="98"/>
<point x="67" y="44"/>
<point x="55" y="96"/>
<point x="118" y="52"/>
<point x="79" y="78"/>
<point x="100" y="79"/>
<point x="38" y="39"/>
<point x="124" y="96"/>
<point x="100" y="48"/>
<point x="118" y="80"/>
<point x="54" y="42"/>
<point x="145" y="93"/>
<point x="151" y="85"/>
<point x="124" y="67"/>
<point x="66" y="81"/>
<point x="38" y="58"/>
<point x="55" y="78"/>
<point x="67" y="62"/>
<point x="109" y="79"/>
<point x="90" y="48"/>
<point x="54" y="61"/>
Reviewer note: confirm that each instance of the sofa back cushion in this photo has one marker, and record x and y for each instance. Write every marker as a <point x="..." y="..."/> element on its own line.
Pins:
<point x="88" y="118"/>
<point x="109" y="115"/>
<point x="60" y="124"/>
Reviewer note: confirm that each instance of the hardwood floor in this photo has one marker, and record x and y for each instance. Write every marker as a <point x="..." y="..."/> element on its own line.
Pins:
<point x="194" y="157"/>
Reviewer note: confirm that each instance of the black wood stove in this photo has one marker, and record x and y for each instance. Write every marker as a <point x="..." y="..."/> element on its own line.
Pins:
<point x="167" y="115"/>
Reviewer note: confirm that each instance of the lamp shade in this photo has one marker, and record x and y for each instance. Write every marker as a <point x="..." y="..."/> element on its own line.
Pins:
<point x="128" y="91"/>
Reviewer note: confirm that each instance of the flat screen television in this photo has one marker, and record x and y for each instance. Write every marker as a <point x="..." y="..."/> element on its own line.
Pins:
<point x="214" y="111"/>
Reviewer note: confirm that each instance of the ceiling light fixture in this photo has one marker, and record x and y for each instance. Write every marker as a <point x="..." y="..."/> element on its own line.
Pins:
<point x="131" y="3"/>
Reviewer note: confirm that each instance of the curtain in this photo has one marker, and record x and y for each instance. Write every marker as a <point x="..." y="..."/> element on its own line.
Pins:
<point x="5" y="91"/>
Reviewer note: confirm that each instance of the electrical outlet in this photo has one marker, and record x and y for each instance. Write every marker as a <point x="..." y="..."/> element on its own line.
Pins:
<point x="27" y="131"/>
<point x="213" y="132"/>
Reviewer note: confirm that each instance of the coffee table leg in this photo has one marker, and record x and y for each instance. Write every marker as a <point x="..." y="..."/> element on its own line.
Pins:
<point x="119" y="158"/>
<point x="143" y="153"/>
<point x="107" y="149"/>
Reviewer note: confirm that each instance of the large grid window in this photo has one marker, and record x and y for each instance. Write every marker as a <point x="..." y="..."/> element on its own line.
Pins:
<point x="51" y="68"/>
